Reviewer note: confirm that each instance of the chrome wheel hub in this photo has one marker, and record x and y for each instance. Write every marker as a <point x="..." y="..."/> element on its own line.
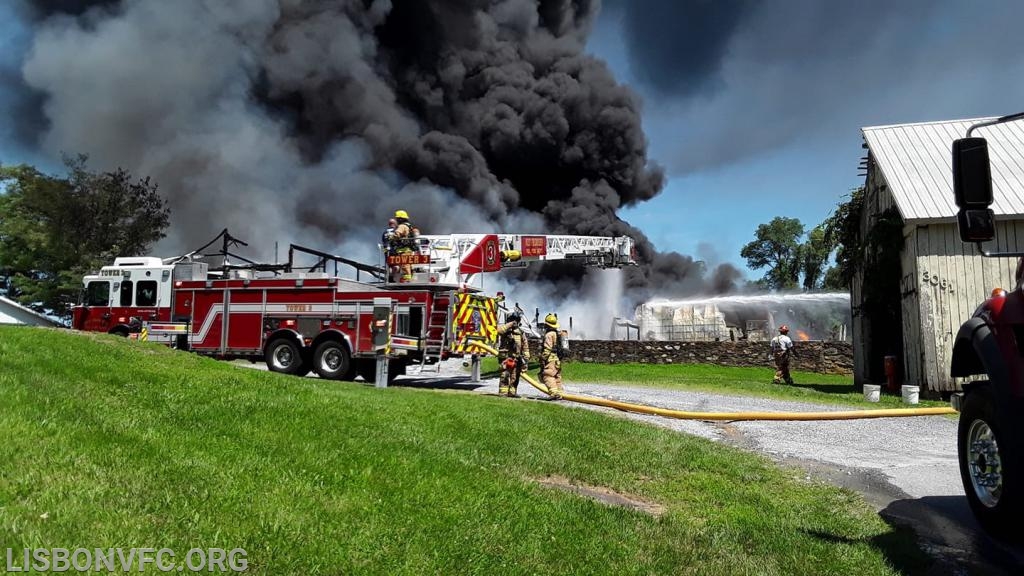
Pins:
<point x="283" y="357"/>
<point x="986" y="468"/>
<point x="331" y="360"/>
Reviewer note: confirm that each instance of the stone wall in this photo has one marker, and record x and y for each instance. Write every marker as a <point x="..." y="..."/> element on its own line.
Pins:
<point x="820" y="357"/>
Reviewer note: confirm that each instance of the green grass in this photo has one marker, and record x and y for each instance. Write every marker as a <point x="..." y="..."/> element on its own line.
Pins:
<point x="124" y="444"/>
<point x="739" y="381"/>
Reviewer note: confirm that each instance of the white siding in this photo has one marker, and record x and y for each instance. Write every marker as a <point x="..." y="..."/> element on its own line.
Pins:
<point x="952" y="279"/>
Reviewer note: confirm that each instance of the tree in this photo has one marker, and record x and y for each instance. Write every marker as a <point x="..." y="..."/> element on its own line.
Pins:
<point x="54" y="230"/>
<point x="777" y="247"/>
<point x="842" y="231"/>
<point x="814" y="255"/>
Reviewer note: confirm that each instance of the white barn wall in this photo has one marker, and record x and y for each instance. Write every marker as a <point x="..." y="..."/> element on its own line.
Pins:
<point x="952" y="279"/>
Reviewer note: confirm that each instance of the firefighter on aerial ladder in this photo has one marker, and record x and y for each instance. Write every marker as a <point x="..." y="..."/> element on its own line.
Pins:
<point x="403" y="243"/>
<point x="513" y="354"/>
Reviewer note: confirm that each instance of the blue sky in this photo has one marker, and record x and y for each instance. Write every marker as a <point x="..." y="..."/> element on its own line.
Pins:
<point x="781" y="108"/>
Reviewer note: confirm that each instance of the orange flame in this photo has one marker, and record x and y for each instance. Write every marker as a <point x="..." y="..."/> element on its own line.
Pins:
<point x="802" y="335"/>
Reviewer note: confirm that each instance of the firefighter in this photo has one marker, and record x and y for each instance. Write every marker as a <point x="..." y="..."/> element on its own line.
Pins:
<point x="551" y="357"/>
<point x="385" y="238"/>
<point x="782" y="350"/>
<point x="513" y="354"/>
<point x="403" y="241"/>
<point x="389" y="249"/>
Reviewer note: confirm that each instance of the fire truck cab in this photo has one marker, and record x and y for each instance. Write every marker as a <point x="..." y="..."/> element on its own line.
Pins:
<point x="989" y="352"/>
<point x="125" y="293"/>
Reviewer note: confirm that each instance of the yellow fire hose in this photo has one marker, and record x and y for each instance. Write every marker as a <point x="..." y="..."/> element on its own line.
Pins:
<point x="731" y="416"/>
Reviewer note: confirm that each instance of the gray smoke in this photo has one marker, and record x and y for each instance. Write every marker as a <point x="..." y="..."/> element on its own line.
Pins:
<point x="678" y="47"/>
<point x="311" y="121"/>
<point x="749" y="77"/>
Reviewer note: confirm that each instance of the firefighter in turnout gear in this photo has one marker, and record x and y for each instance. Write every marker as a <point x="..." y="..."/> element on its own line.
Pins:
<point x="403" y="242"/>
<point x="389" y="249"/>
<point x="782" y="350"/>
<point x="513" y="354"/>
<point x="551" y="357"/>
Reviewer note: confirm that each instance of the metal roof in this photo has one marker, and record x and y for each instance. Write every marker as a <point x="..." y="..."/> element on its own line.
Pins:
<point x="916" y="160"/>
<point x="13" y="313"/>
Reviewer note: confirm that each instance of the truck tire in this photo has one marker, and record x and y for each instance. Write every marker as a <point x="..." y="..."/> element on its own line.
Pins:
<point x="990" y="465"/>
<point x="284" y="356"/>
<point x="331" y="360"/>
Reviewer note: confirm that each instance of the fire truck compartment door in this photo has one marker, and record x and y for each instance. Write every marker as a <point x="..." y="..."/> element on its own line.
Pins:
<point x="381" y="325"/>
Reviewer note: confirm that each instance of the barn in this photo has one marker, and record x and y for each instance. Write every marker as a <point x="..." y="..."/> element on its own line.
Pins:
<point x="916" y="283"/>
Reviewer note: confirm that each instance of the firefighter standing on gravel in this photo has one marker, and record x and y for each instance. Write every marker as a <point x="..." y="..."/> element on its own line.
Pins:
<point x="403" y="242"/>
<point x="551" y="357"/>
<point x="782" y="350"/>
<point x="513" y="354"/>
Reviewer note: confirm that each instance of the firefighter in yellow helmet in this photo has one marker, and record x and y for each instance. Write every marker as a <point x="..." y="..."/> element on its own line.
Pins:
<point x="513" y="354"/>
<point x="551" y="352"/>
<point x="403" y="242"/>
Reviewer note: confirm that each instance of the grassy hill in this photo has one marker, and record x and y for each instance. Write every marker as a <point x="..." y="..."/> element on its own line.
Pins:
<point x="112" y="443"/>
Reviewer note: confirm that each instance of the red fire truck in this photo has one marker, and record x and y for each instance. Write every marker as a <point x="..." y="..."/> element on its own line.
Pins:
<point x="302" y="319"/>
<point x="990" y="344"/>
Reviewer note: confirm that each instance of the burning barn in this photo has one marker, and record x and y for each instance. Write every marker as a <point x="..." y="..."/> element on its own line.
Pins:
<point x="730" y="318"/>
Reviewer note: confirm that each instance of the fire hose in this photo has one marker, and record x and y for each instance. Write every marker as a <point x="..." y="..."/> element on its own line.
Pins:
<point x="730" y="416"/>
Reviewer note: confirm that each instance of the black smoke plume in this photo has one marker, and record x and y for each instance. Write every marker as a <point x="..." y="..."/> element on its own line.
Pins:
<point x="312" y="120"/>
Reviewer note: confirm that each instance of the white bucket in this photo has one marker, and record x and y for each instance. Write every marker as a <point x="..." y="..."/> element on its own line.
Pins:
<point x="872" y="392"/>
<point x="910" y="394"/>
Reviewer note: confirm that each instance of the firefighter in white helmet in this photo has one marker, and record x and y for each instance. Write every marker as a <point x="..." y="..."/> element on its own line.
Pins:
<point x="513" y="354"/>
<point x="403" y="242"/>
<point x="389" y="249"/>
<point x="782" y="350"/>
<point x="551" y="352"/>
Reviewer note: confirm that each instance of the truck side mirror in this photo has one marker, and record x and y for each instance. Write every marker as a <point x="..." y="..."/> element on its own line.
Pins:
<point x="972" y="190"/>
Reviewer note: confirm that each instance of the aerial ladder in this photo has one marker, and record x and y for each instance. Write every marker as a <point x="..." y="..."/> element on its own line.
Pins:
<point x="460" y="262"/>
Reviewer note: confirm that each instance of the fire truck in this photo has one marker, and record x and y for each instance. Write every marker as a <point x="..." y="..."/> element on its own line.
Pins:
<point x="989" y="350"/>
<point x="301" y="318"/>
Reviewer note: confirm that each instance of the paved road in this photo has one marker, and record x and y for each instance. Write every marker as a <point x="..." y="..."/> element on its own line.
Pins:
<point x="905" y="467"/>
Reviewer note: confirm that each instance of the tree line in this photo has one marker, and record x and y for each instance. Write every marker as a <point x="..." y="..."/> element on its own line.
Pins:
<point x="796" y="258"/>
<point x="54" y="229"/>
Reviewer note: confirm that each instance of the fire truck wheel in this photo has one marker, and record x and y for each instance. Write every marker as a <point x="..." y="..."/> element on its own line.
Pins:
<point x="990" y="465"/>
<point x="331" y="360"/>
<point x="283" y="355"/>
